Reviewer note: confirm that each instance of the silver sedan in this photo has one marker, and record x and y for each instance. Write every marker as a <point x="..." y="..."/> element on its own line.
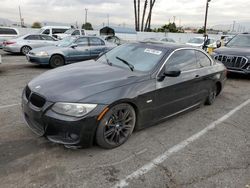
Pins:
<point x="28" y="42"/>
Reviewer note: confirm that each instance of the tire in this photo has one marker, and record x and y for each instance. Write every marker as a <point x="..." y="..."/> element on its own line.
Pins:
<point x="212" y="95"/>
<point x="56" y="61"/>
<point x="116" y="126"/>
<point x="25" y="50"/>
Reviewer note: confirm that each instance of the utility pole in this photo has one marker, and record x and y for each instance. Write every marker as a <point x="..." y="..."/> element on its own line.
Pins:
<point x="86" y="16"/>
<point x="233" y="26"/>
<point x="21" y="19"/>
<point x="205" y="24"/>
<point x="108" y="18"/>
<point x="174" y="18"/>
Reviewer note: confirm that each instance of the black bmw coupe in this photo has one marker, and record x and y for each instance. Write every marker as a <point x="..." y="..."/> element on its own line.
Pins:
<point x="129" y="88"/>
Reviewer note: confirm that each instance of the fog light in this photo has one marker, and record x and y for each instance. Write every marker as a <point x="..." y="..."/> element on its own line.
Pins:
<point x="73" y="136"/>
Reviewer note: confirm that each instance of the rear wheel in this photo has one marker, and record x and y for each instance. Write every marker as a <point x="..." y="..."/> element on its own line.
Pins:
<point x="116" y="126"/>
<point x="56" y="61"/>
<point x="25" y="50"/>
<point x="212" y="95"/>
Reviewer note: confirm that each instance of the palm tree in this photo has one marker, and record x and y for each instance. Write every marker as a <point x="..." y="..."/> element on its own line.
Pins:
<point x="135" y="15"/>
<point x="143" y="15"/>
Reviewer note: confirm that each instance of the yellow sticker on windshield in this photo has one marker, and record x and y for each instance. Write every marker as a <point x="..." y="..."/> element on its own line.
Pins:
<point x="152" y="51"/>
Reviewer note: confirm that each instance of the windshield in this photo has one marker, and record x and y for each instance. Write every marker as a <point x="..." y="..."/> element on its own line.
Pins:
<point x="70" y="31"/>
<point x="67" y="41"/>
<point x="140" y="57"/>
<point x="239" y="41"/>
<point x="196" y="40"/>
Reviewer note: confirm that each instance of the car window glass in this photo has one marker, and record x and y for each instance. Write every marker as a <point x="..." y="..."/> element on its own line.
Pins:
<point x="33" y="37"/>
<point x="184" y="60"/>
<point x="82" y="41"/>
<point x="96" y="41"/>
<point x="58" y="30"/>
<point x="46" y="32"/>
<point x="83" y="32"/>
<point x="45" y="37"/>
<point x="202" y="59"/>
<point x="143" y="58"/>
<point x="7" y="31"/>
<point x="77" y="32"/>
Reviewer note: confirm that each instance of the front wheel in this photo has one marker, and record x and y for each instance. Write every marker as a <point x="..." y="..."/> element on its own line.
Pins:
<point x="116" y="126"/>
<point x="56" y="61"/>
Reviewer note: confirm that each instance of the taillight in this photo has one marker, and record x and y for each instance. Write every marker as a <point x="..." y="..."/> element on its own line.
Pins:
<point x="8" y="43"/>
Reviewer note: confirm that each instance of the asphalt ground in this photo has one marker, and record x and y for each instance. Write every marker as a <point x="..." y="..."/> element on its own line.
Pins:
<point x="207" y="147"/>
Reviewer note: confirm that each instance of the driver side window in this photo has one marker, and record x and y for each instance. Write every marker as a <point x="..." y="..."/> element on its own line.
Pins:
<point x="184" y="60"/>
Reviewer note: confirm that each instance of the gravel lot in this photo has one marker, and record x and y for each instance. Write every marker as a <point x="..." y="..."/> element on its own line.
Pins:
<point x="220" y="157"/>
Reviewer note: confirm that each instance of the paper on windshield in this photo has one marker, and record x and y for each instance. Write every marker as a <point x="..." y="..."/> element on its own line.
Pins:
<point x="152" y="51"/>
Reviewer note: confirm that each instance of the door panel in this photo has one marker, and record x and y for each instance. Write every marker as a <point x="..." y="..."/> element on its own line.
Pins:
<point x="81" y="52"/>
<point x="175" y="94"/>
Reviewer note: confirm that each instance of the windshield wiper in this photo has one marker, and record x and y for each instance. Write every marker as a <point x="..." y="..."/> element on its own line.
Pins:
<point x="107" y="60"/>
<point x="126" y="63"/>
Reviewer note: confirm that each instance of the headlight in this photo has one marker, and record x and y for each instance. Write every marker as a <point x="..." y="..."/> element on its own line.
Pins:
<point x="42" y="54"/>
<point x="73" y="109"/>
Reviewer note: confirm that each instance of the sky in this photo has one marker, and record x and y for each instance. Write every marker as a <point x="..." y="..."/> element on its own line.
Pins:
<point x="187" y="12"/>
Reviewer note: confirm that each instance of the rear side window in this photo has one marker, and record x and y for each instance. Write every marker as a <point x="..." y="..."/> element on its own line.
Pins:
<point x="45" y="37"/>
<point x="7" y="31"/>
<point x="82" y="41"/>
<point x="83" y="32"/>
<point x="184" y="60"/>
<point x="96" y="41"/>
<point x="202" y="59"/>
<point x="32" y="37"/>
<point x="58" y="30"/>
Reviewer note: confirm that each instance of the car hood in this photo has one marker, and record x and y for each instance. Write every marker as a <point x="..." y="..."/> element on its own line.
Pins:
<point x="233" y="51"/>
<point x="73" y="83"/>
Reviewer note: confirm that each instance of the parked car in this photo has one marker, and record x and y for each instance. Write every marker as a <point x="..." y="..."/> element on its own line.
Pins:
<point x="71" y="32"/>
<point x="69" y="50"/>
<point x="130" y="87"/>
<point x="164" y="39"/>
<point x="28" y="42"/>
<point x="115" y="40"/>
<point x="7" y="33"/>
<point x="199" y="42"/>
<point x="53" y="30"/>
<point x="236" y="54"/>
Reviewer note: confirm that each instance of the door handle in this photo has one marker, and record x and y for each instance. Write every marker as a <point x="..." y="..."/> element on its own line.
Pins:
<point x="197" y="76"/>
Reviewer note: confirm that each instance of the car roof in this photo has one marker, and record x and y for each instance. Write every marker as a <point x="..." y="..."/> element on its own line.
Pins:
<point x="56" y="27"/>
<point x="167" y="46"/>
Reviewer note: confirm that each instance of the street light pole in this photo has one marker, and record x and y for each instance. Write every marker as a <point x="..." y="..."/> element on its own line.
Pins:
<point x="205" y="24"/>
<point x="86" y="16"/>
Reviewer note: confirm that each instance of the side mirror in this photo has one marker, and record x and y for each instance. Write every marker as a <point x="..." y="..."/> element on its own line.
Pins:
<point x="218" y="44"/>
<point x="73" y="45"/>
<point x="172" y="72"/>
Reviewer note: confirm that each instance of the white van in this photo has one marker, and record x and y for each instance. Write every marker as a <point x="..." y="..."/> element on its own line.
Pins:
<point x="53" y="30"/>
<point x="7" y="33"/>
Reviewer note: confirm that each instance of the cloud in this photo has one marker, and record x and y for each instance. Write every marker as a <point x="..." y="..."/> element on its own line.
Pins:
<point x="121" y="11"/>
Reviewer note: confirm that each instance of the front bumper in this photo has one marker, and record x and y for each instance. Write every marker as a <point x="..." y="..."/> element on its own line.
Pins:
<point x="38" y="60"/>
<point x="58" y="128"/>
